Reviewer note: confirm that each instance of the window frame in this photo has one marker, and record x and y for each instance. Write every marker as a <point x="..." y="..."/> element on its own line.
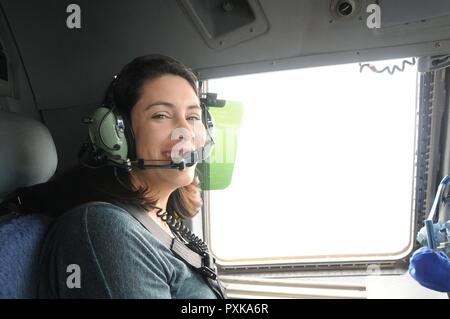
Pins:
<point x="427" y="108"/>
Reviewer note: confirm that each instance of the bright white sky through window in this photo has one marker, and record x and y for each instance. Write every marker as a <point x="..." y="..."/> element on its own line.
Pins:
<point x="324" y="164"/>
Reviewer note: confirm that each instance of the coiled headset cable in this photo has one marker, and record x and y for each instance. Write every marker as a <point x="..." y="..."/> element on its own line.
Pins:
<point x="180" y="229"/>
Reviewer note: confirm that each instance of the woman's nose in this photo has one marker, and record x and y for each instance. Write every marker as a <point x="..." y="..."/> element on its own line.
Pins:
<point x="184" y="124"/>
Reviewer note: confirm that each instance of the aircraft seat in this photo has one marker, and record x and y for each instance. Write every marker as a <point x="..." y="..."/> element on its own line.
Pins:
<point x="27" y="157"/>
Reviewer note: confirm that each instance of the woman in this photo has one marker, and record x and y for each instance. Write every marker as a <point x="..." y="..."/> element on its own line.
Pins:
<point x="98" y="249"/>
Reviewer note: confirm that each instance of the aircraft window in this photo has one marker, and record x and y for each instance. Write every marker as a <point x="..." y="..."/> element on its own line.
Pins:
<point x="324" y="166"/>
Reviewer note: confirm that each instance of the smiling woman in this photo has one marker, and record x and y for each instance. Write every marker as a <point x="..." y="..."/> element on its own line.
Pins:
<point x="158" y="128"/>
<point x="151" y="111"/>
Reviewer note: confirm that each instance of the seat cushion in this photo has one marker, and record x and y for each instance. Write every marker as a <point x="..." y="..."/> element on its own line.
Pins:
<point x="21" y="237"/>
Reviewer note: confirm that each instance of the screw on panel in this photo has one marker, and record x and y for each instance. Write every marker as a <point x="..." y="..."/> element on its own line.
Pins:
<point x="227" y="6"/>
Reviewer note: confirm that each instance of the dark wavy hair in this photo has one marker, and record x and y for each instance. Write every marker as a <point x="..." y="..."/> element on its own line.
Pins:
<point x="81" y="184"/>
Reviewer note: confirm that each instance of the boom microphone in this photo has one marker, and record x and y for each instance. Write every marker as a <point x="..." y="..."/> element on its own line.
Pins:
<point x="188" y="159"/>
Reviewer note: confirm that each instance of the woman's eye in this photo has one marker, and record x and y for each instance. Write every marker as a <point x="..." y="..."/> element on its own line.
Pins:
<point x="159" y="116"/>
<point x="194" y="118"/>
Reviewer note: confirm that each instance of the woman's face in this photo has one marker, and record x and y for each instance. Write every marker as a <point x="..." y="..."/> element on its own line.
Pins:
<point x="167" y="121"/>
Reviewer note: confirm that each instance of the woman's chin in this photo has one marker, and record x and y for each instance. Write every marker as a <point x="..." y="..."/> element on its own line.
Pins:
<point x="181" y="178"/>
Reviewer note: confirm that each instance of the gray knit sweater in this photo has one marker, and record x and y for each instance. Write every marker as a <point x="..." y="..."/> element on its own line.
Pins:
<point x="100" y="251"/>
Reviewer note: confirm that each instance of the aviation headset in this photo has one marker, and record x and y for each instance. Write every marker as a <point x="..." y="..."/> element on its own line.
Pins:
<point x="111" y="136"/>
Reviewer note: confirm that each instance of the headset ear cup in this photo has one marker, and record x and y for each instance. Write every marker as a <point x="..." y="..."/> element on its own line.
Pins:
<point x="106" y="132"/>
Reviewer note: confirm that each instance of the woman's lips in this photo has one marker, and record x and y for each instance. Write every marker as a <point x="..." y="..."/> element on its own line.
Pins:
<point x="167" y="154"/>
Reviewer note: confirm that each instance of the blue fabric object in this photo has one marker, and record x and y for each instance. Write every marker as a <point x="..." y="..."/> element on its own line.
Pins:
<point x="116" y="257"/>
<point x="431" y="269"/>
<point x="20" y="242"/>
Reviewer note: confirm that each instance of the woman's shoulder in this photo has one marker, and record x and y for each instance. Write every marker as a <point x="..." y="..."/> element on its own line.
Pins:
<point x="97" y="211"/>
<point x="98" y="217"/>
<point x="94" y="225"/>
